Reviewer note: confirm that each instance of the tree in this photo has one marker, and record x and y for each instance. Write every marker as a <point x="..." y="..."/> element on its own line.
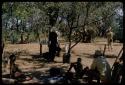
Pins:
<point x="40" y="15"/>
<point x="87" y="14"/>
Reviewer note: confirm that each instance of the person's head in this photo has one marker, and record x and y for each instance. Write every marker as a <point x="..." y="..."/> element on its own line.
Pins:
<point x="13" y="57"/>
<point x="79" y="60"/>
<point x="53" y="29"/>
<point x="97" y="53"/>
<point x="110" y="28"/>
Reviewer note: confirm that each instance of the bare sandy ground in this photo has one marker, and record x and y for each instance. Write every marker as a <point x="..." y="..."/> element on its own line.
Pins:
<point x="82" y="50"/>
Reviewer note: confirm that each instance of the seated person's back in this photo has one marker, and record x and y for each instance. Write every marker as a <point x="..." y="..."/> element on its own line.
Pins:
<point x="102" y="66"/>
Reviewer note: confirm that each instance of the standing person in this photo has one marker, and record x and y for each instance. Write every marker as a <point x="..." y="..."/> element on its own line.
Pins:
<point x="52" y="44"/>
<point x="58" y="49"/>
<point x="85" y="35"/>
<point x="102" y="66"/>
<point x="109" y="35"/>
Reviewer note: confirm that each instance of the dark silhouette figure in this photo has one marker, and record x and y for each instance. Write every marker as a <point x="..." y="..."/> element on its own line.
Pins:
<point x="15" y="72"/>
<point x="79" y="71"/>
<point x="12" y="65"/>
<point x="85" y="34"/>
<point x="117" y="71"/>
<point x="54" y="71"/>
<point x="93" y="74"/>
<point x="53" y="45"/>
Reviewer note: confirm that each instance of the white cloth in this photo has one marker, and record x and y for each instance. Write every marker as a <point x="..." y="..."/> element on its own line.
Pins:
<point x="103" y="67"/>
<point x="66" y="48"/>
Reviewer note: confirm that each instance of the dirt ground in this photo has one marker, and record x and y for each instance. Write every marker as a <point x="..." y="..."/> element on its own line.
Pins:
<point x="83" y="50"/>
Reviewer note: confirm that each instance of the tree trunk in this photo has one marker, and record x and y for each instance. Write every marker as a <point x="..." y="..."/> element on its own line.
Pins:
<point x="40" y="48"/>
<point x="22" y="39"/>
<point x="87" y="10"/>
<point x="123" y="74"/>
<point x="2" y="46"/>
<point x="17" y="26"/>
<point x="70" y="40"/>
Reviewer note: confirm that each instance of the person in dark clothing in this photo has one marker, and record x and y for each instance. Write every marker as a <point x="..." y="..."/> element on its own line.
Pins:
<point x="79" y="71"/>
<point x="117" y="71"/>
<point x="85" y="34"/>
<point x="12" y="65"/>
<point x="93" y="74"/>
<point x="15" y="72"/>
<point x="53" y="44"/>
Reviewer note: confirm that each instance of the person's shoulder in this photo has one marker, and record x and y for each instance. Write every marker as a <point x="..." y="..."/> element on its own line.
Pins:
<point x="99" y="58"/>
<point x="50" y="33"/>
<point x="102" y="56"/>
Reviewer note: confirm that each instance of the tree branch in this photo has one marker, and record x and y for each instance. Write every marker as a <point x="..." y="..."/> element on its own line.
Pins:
<point x="87" y="9"/>
<point x="82" y="32"/>
<point x="80" y="37"/>
<point x="95" y="21"/>
<point x="77" y="23"/>
<point x="76" y="43"/>
<point x="70" y="33"/>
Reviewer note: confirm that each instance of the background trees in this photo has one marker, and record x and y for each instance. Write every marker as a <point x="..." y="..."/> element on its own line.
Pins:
<point x="30" y="21"/>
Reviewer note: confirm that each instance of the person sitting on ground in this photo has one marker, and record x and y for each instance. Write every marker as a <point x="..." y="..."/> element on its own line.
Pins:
<point x="101" y="66"/>
<point x="15" y="72"/>
<point x="12" y="65"/>
<point x="78" y="67"/>
<point x="79" y="71"/>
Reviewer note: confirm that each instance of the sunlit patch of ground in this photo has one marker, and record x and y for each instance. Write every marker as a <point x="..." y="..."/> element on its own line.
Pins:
<point x="83" y="50"/>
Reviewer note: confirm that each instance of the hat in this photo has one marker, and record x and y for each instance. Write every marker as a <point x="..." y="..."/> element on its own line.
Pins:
<point x="98" y="53"/>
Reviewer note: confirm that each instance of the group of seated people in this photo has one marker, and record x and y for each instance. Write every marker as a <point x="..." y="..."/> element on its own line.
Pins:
<point x="99" y="70"/>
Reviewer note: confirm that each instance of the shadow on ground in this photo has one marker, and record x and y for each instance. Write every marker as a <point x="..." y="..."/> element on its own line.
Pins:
<point x="87" y="55"/>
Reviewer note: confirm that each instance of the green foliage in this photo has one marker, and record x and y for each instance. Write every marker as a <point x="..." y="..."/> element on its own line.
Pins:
<point x="42" y="15"/>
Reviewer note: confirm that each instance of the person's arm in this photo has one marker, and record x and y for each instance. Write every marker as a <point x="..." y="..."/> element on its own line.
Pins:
<point x="49" y="43"/>
<point x="72" y="65"/>
<point x="2" y="47"/>
<point x="49" y="39"/>
<point x="112" y="35"/>
<point x="93" y="65"/>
